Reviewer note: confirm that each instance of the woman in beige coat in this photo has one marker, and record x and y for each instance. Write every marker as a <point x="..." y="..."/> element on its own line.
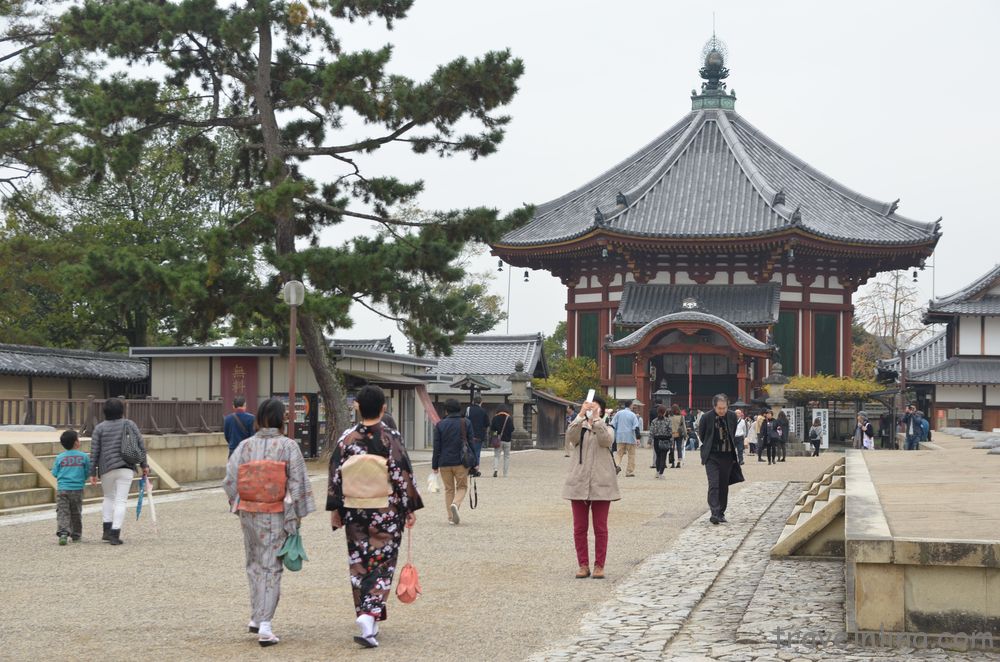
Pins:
<point x="592" y="484"/>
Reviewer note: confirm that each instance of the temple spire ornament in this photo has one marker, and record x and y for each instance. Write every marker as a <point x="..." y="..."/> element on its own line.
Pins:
<point x="713" y="72"/>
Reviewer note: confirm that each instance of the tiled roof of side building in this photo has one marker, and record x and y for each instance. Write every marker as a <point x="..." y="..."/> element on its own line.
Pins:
<point x="714" y="175"/>
<point x="981" y="297"/>
<point x="371" y="344"/>
<point x="961" y="370"/>
<point x="493" y="355"/>
<point x="34" y="361"/>
<point x="925" y="356"/>
<point x="743" y="305"/>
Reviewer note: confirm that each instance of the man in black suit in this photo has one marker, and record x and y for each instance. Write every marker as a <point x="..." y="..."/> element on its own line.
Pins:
<point x="717" y="430"/>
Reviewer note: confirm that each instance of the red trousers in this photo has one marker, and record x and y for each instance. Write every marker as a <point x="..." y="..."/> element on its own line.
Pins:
<point x="582" y="512"/>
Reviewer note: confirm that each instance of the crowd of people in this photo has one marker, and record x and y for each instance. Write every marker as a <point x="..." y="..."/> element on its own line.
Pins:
<point x="373" y="496"/>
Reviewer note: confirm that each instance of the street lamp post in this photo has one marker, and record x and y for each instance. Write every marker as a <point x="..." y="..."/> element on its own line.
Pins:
<point x="293" y="293"/>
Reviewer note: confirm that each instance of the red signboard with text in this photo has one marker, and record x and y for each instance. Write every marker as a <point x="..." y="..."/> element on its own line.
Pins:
<point x="239" y="377"/>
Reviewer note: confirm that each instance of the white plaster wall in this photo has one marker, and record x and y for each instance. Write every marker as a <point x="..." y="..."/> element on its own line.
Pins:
<point x="720" y="279"/>
<point x="617" y="280"/>
<point x="741" y="278"/>
<point x="683" y="279"/>
<point x="592" y="297"/>
<point x="969" y="336"/>
<point x="614" y="296"/>
<point x="826" y="298"/>
<point x="993" y="396"/>
<point x="791" y="296"/>
<point x="661" y="278"/>
<point x="959" y="394"/>
<point x="993" y="336"/>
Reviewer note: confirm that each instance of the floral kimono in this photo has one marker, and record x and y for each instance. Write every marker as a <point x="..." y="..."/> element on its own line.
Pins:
<point x="373" y="535"/>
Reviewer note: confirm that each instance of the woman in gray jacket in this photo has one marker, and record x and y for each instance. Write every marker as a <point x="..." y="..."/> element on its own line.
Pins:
<point x="106" y="461"/>
<point x="592" y="484"/>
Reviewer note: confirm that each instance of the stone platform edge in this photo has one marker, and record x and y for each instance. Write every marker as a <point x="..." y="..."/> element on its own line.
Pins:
<point x="908" y="584"/>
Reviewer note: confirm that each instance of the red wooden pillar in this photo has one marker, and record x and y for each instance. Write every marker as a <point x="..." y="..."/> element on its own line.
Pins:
<point x="741" y="378"/>
<point x="570" y="324"/>
<point x="642" y="392"/>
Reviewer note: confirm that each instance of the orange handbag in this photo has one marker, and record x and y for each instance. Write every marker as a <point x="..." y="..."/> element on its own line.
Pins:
<point x="408" y="589"/>
<point x="261" y="485"/>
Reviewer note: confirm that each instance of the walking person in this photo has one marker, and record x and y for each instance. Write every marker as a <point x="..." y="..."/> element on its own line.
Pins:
<point x="501" y="430"/>
<point x="591" y="485"/>
<point x="627" y="430"/>
<point x="760" y="424"/>
<point x="717" y="429"/>
<point x="268" y="487"/>
<point x="784" y="428"/>
<point x="238" y="425"/>
<point x="679" y="434"/>
<point x="480" y="425"/>
<point x="751" y="433"/>
<point x="70" y="468"/>
<point x="451" y="435"/>
<point x="911" y="426"/>
<point x="373" y="496"/>
<point x="772" y="431"/>
<point x="662" y="438"/>
<point x="107" y="461"/>
<point x="742" y="425"/>
<point x="864" y="435"/>
<point x="816" y="436"/>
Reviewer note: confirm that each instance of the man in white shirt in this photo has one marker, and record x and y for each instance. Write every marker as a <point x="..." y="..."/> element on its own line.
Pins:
<point x="742" y="432"/>
<point x="627" y="427"/>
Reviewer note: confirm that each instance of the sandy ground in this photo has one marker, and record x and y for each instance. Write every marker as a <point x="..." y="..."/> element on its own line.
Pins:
<point x="498" y="587"/>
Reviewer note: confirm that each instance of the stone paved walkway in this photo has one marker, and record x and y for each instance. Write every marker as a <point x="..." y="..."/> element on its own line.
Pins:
<point x="715" y="595"/>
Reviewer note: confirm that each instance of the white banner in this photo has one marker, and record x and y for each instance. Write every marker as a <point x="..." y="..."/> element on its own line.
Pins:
<point x="824" y="420"/>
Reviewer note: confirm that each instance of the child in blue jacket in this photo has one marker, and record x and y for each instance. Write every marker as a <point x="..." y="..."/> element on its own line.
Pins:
<point x="71" y="469"/>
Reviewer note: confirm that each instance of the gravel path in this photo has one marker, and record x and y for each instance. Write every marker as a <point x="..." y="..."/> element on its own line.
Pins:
<point x="498" y="587"/>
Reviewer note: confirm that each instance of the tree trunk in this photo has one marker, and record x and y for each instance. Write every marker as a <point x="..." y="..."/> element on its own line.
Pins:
<point x="338" y="418"/>
<point x="312" y="336"/>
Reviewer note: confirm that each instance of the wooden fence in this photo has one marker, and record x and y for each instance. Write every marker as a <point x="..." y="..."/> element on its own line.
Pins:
<point x="152" y="416"/>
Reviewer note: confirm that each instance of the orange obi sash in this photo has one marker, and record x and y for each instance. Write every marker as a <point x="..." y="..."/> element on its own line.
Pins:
<point x="261" y="485"/>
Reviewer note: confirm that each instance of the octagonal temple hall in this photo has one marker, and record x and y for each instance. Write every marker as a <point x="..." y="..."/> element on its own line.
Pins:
<point x="711" y="252"/>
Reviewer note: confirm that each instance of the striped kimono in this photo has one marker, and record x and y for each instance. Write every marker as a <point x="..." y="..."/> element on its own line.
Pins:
<point x="373" y="535"/>
<point x="265" y="533"/>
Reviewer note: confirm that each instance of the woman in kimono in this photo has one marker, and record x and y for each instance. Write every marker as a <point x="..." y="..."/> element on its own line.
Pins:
<point x="372" y="499"/>
<point x="268" y="487"/>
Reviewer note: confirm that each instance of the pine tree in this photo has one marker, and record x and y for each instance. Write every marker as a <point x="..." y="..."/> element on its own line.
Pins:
<point x="277" y="76"/>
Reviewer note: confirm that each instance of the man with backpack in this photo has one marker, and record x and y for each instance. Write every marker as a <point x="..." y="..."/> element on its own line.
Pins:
<point x="239" y="425"/>
<point x="480" y="425"/>
<point x="679" y="434"/>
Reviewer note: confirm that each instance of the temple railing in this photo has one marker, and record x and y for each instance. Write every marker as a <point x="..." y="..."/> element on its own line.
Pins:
<point x="83" y="414"/>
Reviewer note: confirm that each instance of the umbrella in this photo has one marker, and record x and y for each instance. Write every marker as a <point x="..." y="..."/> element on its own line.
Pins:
<point x="142" y="491"/>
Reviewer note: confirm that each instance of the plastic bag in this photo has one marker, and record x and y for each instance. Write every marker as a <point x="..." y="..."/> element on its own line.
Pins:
<point x="434" y="483"/>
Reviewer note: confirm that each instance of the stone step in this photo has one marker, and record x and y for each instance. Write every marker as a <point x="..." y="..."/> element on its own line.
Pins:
<point x="28" y="497"/>
<point x="47" y="460"/>
<point x="18" y="481"/>
<point x="10" y="465"/>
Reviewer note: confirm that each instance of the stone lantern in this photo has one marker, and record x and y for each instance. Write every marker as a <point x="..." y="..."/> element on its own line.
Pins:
<point x="519" y="397"/>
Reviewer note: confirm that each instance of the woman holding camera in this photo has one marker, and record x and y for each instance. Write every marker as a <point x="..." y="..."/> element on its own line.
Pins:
<point x="592" y="484"/>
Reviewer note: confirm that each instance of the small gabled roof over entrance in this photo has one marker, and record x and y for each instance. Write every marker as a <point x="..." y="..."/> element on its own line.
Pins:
<point x="744" y="305"/>
<point x="740" y="338"/>
<point x="981" y="297"/>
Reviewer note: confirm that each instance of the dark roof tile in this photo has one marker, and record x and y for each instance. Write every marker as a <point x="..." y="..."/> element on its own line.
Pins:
<point x="70" y="363"/>
<point x="743" y="305"/>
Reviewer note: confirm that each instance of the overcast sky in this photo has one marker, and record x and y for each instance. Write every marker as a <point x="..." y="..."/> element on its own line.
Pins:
<point x="893" y="99"/>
